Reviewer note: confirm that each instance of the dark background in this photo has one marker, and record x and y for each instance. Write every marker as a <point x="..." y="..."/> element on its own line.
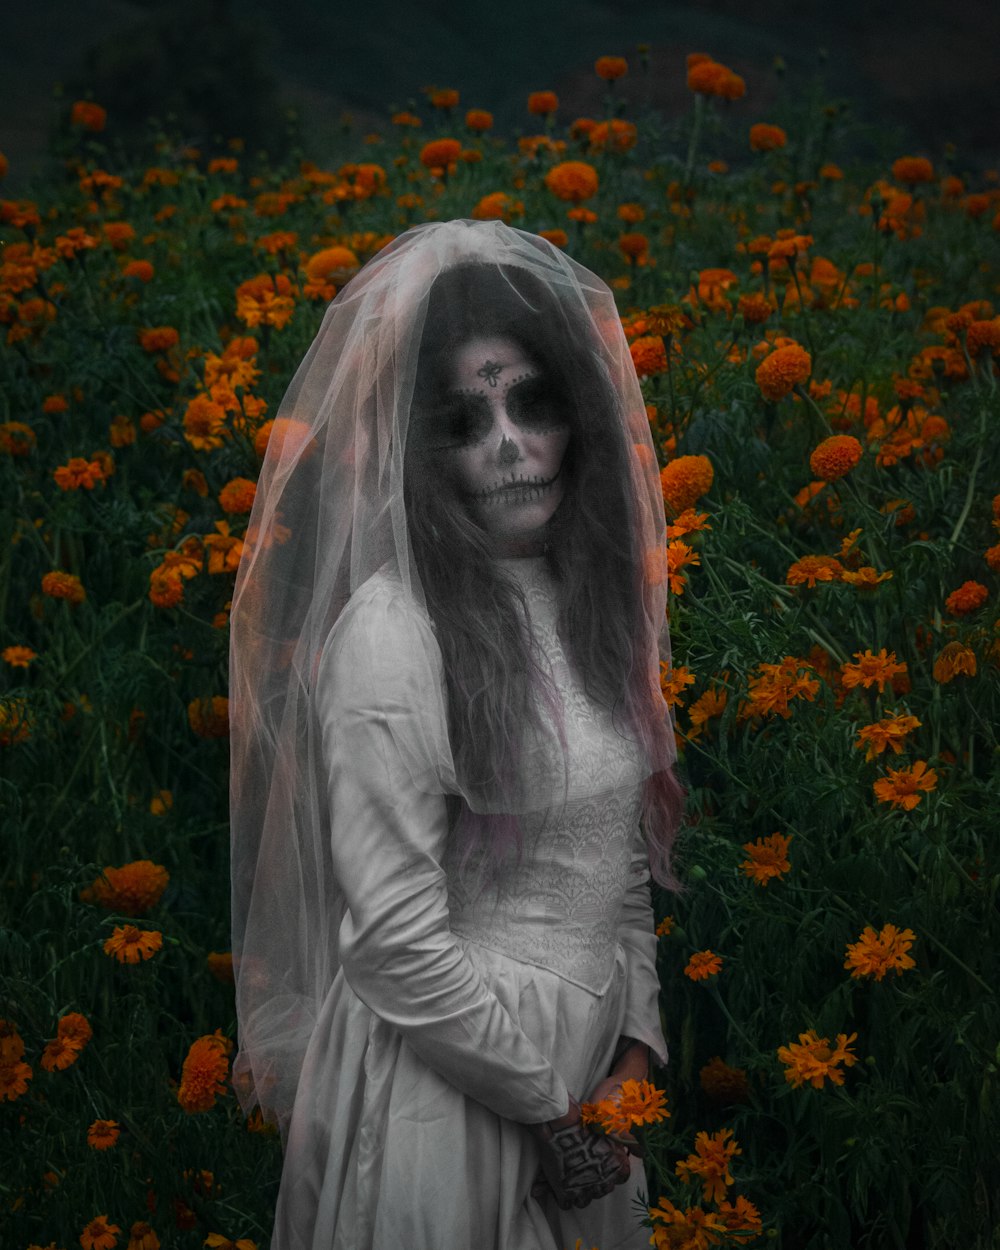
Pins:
<point x="925" y="72"/>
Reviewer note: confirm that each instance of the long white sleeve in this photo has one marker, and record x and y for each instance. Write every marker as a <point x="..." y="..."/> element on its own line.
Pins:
<point x="374" y="695"/>
<point x="637" y="935"/>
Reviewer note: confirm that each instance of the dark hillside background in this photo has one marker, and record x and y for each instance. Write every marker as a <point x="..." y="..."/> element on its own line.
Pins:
<point x="925" y="72"/>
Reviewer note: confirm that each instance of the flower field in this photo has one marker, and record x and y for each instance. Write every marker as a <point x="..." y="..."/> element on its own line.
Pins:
<point x="818" y="344"/>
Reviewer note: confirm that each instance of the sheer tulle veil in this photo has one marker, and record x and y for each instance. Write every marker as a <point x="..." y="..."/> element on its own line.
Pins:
<point x="329" y="512"/>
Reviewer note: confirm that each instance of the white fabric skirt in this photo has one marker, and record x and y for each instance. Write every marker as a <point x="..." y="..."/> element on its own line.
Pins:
<point x="384" y="1154"/>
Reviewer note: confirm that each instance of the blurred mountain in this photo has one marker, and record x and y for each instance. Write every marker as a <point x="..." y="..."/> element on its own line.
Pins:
<point x="221" y="68"/>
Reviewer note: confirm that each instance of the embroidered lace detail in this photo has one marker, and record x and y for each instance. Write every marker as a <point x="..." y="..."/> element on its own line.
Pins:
<point x="560" y="907"/>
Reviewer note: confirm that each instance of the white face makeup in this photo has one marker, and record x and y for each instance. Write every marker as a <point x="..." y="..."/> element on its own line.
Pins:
<point x="505" y="438"/>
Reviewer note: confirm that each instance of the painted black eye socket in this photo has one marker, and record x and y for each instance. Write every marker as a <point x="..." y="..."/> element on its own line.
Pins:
<point x="460" y="422"/>
<point x="533" y="406"/>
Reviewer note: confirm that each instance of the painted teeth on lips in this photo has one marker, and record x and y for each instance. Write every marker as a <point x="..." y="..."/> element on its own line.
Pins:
<point x="516" y="487"/>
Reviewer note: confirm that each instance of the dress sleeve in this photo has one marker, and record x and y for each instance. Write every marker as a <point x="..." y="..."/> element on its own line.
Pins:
<point x="376" y="700"/>
<point x="637" y="934"/>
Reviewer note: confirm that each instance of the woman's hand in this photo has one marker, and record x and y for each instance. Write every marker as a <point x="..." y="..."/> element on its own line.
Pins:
<point x="578" y="1164"/>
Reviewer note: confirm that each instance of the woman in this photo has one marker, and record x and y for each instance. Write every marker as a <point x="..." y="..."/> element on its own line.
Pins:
<point x="451" y="761"/>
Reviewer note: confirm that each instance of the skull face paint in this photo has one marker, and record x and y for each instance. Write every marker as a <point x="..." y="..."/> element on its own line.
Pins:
<point x="505" y="435"/>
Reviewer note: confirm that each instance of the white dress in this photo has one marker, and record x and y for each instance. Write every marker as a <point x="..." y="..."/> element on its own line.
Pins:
<point x="458" y="1017"/>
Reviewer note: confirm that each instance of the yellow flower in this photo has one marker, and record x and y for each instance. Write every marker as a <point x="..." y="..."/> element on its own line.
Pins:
<point x="129" y="944"/>
<point x="710" y="1161"/>
<point x="813" y="1059"/>
<point x="875" y="954"/>
<point x="768" y="858"/>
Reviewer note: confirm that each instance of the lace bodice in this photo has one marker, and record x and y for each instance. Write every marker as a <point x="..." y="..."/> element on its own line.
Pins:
<point x="560" y="907"/>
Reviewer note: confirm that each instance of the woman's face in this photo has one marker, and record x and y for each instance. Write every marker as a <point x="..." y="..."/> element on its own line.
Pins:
<point x="505" y="435"/>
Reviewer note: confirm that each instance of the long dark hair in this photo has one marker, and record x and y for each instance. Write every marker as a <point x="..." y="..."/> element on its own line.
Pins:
<point x="493" y="678"/>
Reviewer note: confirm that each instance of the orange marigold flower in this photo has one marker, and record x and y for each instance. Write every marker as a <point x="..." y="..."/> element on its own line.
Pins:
<point x="497" y="206"/>
<point x="633" y="245"/>
<point x="702" y="965"/>
<point x="204" y="423"/>
<point x="813" y="1059"/>
<point x="679" y="556"/>
<point x="768" y="858"/>
<point x="573" y="181"/>
<point x="754" y="308"/>
<point x="60" y="1053"/>
<point x="672" y="683"/>
<point x="610" y="67"/>
<point x="88" y="116"/>
<point x="237" y="496"/>
<point x="713" y="1153"/>
<point x="14" y="1078"/>
<point x="835" y="457"/>
<point x="954" y="659"/>
<point x="691" y="1229"/>
<point x="158" y="339"/>
<point x="808" y="570"/>
<point x="541" y="103"/>
<point x="912" y="169"/>
<point x="132" y="890"/>
<point x="16" y="438"/>
<point x="905" y="787"/>
<point x="209" y="718"/>
<point x="615" y="135"/>
<point x="875" y="954"/>
<point x="100" y="1234"/>
<point x="216" y="1241"/>
<point x="983" y="335"/>
<point x="782" y="370"/>
<point x="166" y="586"/>
<point x="969" y="597"/>
<point x="440" y="153"/>
<point x="204" y="1073"/>
<point x="708" y="77"/>
<point x="648" y="355"/>
<point x="765" y="138"/>
<point x="54" y="404"/>
<point x="479" y="120"/>
<point x="444" y="98"/>
<point x="685" y="480"/>
<point x="103" y="1134"/>
<point x="870" y="670"/>
<point x="74" y="1027"/>
<point x="886" y="734"/>
<point x="631" y="213"/>
<point x="18" y="657"/>
<point x="723" y="1084"/>
<point x="128" y="944"/>
<point x="663" y="929"/>
<point x="58" y="585"/>
<point x="142" y="1237"/>
<point x="79" y="473"/>
<point x="741" y="1216"/>
<point x="865" y="578"/>
<point x="220" y="965"/>
<point x="266" y="300"/>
